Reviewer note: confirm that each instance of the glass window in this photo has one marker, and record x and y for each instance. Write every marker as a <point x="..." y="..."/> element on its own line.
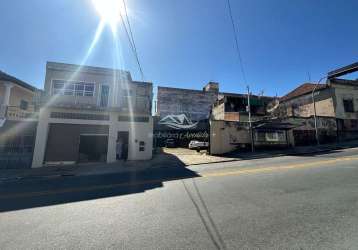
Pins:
<point x="24" y="105"/>
<point x="71" y="88"/>
<point x="79" y="87"/>
<point x="89" y="87"/>
<point x="348" y="105"/>
<point x="104" y="96"/>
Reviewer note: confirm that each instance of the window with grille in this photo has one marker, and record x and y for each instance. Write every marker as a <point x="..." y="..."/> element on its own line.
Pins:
<point x="73" y="88"/>
<point x="272" y="136"/>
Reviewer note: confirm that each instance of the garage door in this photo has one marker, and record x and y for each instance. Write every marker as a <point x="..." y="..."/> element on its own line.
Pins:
<point x="63" y="143"/>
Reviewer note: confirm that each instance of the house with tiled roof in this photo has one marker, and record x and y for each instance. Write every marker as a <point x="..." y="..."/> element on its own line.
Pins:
<point x="335" y="104"/>
<point x="18" y="121"/>
<point x="299" y="102"/>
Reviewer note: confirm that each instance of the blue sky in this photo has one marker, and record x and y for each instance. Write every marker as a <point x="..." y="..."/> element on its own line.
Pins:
<point x="185" y="43"/>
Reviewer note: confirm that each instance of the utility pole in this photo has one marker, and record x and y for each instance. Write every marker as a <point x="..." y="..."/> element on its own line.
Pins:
<point x="314" y="109"/>
<point x="250" y="123"/>
<point x="315" y="116"/>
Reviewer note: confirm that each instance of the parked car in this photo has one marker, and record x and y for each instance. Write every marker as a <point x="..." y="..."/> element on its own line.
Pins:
<point x="170" y="143"/>
<point x="198" y="145"/>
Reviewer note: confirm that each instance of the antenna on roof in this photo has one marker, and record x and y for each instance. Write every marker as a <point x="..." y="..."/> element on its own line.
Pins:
<point x="309" y="76"/>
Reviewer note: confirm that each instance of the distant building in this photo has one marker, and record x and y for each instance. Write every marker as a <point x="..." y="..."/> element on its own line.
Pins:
<point x="336" y="108"/>
<point x="229" y="124"/>
<point x="233" y="107"/>
<point x="345" y="101"/>
<point x="93" y="114"/>
<point x="18" y="121"/>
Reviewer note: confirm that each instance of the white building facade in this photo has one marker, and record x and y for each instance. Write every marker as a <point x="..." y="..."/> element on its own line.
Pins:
<point x="92" y="114"/>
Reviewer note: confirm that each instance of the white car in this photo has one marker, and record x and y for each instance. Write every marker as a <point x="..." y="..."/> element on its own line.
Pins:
<point x="198" y="145"/>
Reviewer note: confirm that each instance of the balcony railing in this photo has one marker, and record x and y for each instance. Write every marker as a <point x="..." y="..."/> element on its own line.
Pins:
<point x="138" y="104"/>
<point x="17" y="114"/>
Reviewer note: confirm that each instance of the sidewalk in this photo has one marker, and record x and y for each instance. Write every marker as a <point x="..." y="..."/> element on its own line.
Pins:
<point x="158" y="161"/>
<point x="161" y="160"/>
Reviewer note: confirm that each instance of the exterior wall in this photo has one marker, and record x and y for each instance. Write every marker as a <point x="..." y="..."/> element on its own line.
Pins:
<point x="127" y="99"/>
<point x="2" y="93"/>
<point x="302" y="106"/>
<point x="12" y="111"/>
<point x="138" y="131"/>
<point x="18" y="94"/>
<point x="218" y="112"/>
<point x="227" y="136"/>
<point x="346" y="92"/>
<point x="195" y="104"/>
<point x="119" y="82"/>
<point x="304" y="132"/>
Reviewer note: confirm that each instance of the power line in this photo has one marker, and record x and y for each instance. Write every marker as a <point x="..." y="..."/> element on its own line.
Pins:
<point x="129" y="24"/>
<point x="235" y="31"/>
<point x="130" y="37"/>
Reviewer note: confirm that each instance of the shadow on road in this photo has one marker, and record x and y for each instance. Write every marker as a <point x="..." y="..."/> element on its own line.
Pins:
<point x="45" y="192"/>
<point x="204" y="215"/>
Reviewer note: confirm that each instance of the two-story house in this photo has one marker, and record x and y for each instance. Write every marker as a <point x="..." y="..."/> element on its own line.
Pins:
<point x="18" y="122"/>
<point x="93" y="114"/>
<point x="345" y="99"/>
<point x="334" y="103"/>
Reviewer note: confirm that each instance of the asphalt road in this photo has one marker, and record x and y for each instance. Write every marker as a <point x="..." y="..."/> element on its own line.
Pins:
<point x="291" y="202"/>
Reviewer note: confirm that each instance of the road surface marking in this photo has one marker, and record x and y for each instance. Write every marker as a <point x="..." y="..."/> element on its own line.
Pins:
<point x="324" y="163"/>
<point x="279" y="167"/>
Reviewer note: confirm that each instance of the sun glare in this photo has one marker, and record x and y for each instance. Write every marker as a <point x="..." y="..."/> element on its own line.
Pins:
<point x="110" y="11"/>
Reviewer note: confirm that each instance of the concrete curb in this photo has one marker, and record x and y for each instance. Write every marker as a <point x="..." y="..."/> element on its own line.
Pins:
<point x="70" y="173"/>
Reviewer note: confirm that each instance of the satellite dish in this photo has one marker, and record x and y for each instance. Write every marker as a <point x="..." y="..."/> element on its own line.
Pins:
<point x="272" y="106"/>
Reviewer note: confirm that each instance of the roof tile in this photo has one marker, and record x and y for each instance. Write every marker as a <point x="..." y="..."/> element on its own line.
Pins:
<point x="301" y="90"/>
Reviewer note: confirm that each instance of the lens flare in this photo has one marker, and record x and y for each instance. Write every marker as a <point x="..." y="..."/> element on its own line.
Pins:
<point x="110" y="11"/>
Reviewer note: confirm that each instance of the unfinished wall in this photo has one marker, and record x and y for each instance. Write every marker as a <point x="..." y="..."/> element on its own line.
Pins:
<point x="218" y="112"/>
<point x="304" y="132"/>
<point x="195" y="104"/>
<point x="346" y="92"/>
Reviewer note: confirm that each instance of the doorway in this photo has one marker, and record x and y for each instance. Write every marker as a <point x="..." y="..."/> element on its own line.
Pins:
<point x="122" y="145"/>
<point x="104" y="96"/>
